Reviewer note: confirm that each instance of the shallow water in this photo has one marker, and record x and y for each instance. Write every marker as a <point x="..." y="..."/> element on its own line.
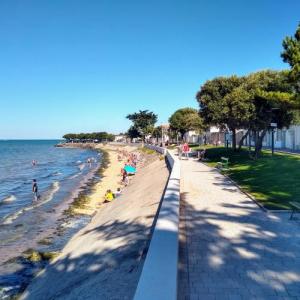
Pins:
<point x="54" y="165"/>
<point x="60" y="173"/>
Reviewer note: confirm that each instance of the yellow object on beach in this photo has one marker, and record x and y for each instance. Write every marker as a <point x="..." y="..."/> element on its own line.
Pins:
<point x="109" y="196"/>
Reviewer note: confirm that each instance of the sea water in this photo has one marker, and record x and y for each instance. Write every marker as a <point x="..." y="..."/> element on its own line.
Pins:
<point x="59" y="173"/>
<point x="55" y="169"/>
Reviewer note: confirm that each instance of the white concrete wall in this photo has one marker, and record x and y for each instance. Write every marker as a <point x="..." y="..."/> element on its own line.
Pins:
<point x="157" y="149"/>
<point x="159" y="275"/>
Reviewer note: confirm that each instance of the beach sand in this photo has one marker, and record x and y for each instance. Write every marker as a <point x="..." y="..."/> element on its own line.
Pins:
<point x="104" y="259"/>
<point x="110" y="178"/>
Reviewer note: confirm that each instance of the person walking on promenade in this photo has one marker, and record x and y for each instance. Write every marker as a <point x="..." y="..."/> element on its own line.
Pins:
<point x="186" y="150"/>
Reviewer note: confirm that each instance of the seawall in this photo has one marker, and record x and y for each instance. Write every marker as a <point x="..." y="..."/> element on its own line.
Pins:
<point x="159" y="276"/>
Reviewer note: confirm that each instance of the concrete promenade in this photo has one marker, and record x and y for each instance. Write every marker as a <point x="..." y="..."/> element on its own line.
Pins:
<point x="230" y="248"/>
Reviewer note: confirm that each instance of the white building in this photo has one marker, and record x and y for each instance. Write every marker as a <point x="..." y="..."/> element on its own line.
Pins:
<point x="284" y="138"/>
<point x="121" y="138"/>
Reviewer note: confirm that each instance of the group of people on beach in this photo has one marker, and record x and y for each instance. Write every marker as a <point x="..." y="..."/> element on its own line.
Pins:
<point x="127" y="170"/>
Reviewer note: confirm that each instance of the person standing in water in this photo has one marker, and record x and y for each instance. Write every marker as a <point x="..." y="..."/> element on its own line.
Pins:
<point x="35" y="189"/>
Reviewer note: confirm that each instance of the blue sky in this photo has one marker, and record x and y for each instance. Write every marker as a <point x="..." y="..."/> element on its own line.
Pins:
<point x="80" y="66"/>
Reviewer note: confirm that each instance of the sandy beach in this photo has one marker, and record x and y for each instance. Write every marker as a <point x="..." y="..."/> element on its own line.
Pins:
<point x="104" y="259"/>
<point x="64" y="226"/>
<point x="110" y="178"/>
<point x="56" y="220"/>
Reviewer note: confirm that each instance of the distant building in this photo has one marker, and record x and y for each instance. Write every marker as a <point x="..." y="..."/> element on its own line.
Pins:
<point x="164" y="135"/>
<point x="121" y="138"/>
<point x="286" y="138"/>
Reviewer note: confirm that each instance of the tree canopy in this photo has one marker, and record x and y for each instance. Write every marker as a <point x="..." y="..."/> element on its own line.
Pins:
<point x="185" y="119"/>
<point x="225" y="103"/>
<point x="251" y="102"/>
<point x="291" y="55"/>
<point x="99" y="136"/>
<point x="273" y="100"/>
<point x="133" y="133"/>
<point x="143" y="123"/>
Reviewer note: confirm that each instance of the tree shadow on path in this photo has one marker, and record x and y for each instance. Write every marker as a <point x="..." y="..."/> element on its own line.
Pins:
<point x="234" y="254"/>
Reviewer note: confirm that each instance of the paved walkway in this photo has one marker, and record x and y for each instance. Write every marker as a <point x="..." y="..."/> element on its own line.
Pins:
<point x="230" y="248"/>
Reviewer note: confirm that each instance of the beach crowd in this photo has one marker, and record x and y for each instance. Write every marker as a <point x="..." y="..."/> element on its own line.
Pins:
<point x="128" y="170"/>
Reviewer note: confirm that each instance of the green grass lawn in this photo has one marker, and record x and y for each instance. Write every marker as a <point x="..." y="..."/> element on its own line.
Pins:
<point x="273" y="181"/>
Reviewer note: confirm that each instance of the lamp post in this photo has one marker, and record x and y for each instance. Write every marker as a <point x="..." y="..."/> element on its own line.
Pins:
<point x="226" y="139"/>
<point x="273" y="126"/>
<point x="162" y="137"/>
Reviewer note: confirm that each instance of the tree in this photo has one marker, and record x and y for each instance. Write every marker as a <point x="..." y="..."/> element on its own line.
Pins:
<point x="274" y="101"/>
<point x="157" y="133"/>
<point x="291" y="55"/>
<point x="82" y="137"/>
<point x="143" y="122"/>
<point x="225" y="103"/>
<point x="69" y="136"/>
<point x="185" y="119"/>
<point x="132" y="133"/>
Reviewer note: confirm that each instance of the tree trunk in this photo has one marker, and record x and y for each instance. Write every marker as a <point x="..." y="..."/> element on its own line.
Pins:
<point x="182" y="135"/>
<point x="258" y="143"/>
<point x="233" y="139"/>
<point x="242" y="139"/>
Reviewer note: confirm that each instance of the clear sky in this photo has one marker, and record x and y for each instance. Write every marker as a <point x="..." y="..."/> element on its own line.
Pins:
<point x="81" y="66"/>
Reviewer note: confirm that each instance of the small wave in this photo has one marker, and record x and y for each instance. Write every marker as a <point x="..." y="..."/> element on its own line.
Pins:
<point x="56" y="173"/>
<point x="8" y="199"/>
<point x="74" y="176"/>
<point x="47" y="163"/>
<point x="78" y="162"/>
<point x="81" y="167"/>
<point x="48" y="196"/>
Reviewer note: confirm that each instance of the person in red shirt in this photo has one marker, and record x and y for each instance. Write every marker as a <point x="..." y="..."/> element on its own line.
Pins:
<point x="186" y="150"/>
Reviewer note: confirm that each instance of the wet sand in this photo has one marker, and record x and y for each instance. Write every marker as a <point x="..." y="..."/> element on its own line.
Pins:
<point x="104" y="260"/>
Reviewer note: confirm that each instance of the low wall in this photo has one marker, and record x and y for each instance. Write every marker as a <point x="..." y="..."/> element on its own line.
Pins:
<point x="157" y="149"/>
<point x="159" y="275"/>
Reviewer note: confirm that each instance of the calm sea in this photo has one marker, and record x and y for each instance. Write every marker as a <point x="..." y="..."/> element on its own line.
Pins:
<point x="57" y="171"/>
<point x="60" y="174"/>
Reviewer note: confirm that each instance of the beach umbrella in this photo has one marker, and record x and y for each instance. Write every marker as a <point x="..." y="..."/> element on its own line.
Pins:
<point x="130" y="169"/>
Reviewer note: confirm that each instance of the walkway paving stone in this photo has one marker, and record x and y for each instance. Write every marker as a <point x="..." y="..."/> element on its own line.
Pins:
<point x="230" y="248"/>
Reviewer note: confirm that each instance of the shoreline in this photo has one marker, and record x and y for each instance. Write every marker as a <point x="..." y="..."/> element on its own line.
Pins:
<point x="111" y="248"/>
<point x="109" y="174"/>
<point x="72" y="216"/>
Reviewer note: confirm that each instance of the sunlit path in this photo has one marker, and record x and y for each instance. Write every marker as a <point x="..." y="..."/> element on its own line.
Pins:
<point x="232" y="249"/>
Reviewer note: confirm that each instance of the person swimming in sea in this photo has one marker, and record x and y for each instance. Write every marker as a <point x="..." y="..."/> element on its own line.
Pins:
<point x="89" y="161"/>
<point x="35" y="190"/>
